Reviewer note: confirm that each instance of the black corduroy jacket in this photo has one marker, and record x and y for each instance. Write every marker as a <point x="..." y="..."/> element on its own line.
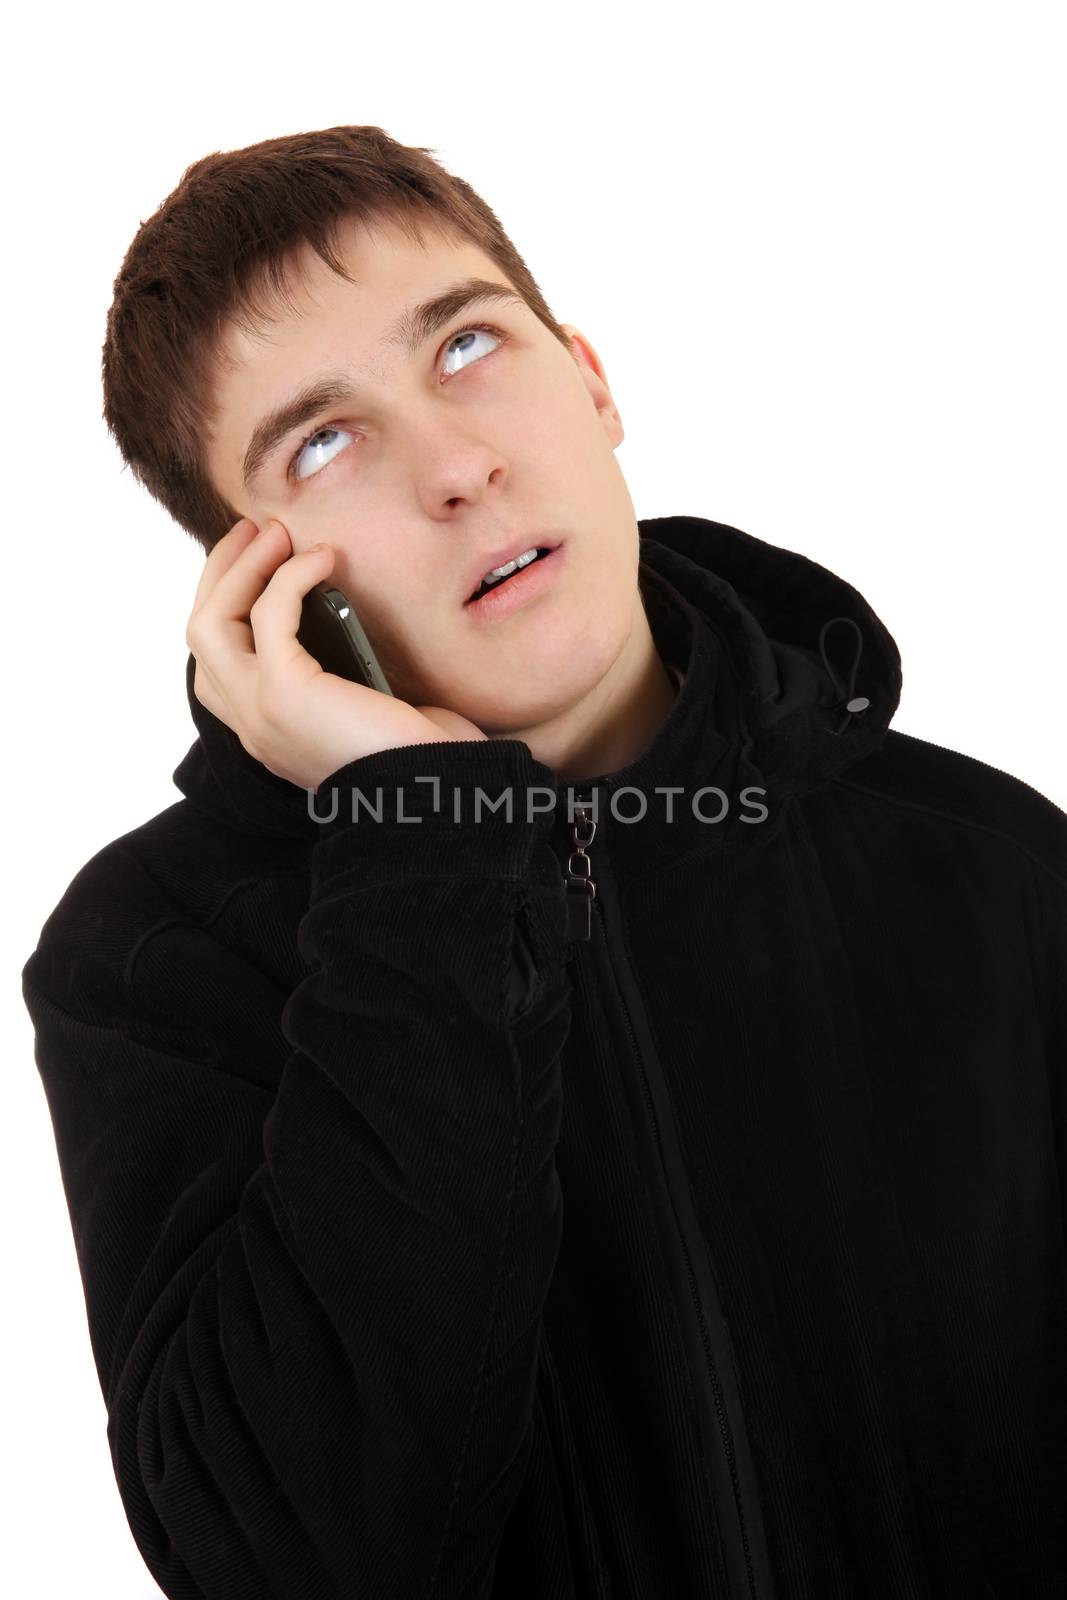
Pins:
<point x="660" y="1201"/>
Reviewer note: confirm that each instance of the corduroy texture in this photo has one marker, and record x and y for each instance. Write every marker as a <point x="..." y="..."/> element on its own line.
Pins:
<point x="427" y="1254"/>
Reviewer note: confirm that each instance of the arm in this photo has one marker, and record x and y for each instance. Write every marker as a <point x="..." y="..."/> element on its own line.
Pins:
<point x="316" y="1315"/>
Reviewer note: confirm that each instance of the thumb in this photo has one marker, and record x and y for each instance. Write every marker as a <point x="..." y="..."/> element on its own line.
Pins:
<point x="451" y="723"/>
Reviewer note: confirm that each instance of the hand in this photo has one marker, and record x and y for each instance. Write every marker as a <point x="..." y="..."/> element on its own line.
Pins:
<point x="252" y="672"/>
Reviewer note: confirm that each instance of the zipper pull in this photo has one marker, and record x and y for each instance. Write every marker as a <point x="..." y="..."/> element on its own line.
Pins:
<point x="581" y="890"/>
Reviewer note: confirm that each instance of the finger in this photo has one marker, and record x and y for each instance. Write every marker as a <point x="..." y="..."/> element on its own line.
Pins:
<point x="252" y="666"/>
<point x="222" y="557"/>
<point x="277" y="614"/>
<point x="223" y="620"/>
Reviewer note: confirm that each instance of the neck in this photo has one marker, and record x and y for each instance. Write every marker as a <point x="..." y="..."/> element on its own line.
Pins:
<point x="617" y="720"/>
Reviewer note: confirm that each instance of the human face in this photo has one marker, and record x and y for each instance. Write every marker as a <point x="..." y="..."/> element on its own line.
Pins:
<point x="451" y="452"/>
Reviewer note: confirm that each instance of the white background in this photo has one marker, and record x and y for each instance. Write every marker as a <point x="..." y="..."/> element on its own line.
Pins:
<point x="820" y="251"/>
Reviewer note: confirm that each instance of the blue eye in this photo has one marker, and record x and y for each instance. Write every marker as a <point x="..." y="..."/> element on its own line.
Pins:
<point x="465" y="335"/>
<point x="320" y="446"/>
<point x="314" y="443"/>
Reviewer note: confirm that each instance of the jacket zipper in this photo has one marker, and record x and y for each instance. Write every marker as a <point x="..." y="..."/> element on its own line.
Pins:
<point x="582" y="893"/>
<point x="581" y="890"/>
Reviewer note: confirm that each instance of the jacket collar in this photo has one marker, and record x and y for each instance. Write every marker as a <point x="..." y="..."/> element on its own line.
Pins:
<point x="775" y="649"/>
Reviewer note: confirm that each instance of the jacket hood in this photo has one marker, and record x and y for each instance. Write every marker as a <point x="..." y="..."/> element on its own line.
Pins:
<point x="790" y="678"/>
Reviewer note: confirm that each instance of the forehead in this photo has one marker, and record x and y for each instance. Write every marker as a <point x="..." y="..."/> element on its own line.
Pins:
<point x="386" y="269"/>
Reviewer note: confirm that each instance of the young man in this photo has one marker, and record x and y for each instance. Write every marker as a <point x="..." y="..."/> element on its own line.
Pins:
<point x="481" y="1193"/>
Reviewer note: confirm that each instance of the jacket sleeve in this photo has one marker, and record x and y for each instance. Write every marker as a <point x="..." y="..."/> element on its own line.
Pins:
<point x="315" y="1309"/>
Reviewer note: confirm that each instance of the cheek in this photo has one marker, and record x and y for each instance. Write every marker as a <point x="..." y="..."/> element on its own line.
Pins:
<point x="362" y="568"/>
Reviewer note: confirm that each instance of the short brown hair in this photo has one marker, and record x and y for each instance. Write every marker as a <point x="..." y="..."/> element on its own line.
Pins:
<point x="221" y="238"/>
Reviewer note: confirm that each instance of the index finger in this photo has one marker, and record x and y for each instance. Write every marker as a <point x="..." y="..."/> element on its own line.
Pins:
<point x="223" y="556"/>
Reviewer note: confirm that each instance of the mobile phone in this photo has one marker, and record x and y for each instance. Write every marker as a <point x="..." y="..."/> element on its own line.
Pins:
<point x="331" y="632"/>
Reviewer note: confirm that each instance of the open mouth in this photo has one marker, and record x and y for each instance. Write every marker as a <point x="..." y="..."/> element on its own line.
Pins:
<point x="498" y="583"/>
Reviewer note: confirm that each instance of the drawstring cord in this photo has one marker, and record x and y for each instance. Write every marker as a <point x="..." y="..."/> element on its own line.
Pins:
<point x="854" y="703"/>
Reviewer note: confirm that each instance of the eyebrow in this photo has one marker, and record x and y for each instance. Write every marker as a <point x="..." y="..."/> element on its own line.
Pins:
<point x="410" y="330"/>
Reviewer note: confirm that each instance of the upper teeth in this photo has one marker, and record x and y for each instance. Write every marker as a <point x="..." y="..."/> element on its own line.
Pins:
<point x="519" y="561"/>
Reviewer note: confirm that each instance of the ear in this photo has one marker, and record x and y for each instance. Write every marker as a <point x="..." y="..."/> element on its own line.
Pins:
<point x="582" y="350"/>
<point x="591" y="368"/>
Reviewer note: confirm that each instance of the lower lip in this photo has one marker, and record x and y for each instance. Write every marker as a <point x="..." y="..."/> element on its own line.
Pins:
<point x="519" y="590"/>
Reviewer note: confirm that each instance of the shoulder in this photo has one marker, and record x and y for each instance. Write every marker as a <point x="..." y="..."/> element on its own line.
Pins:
<point x="179" y="867"/>
<point x="959" y="792"/>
